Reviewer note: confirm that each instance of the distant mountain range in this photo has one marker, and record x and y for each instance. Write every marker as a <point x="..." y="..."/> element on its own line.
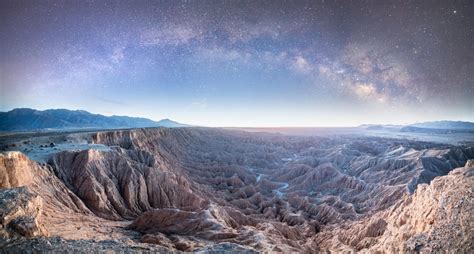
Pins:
<point x="377" y="127"/>
<point x="445" y="125"/>
<point x="26" y="119"/>
<point x="438" y="127"/>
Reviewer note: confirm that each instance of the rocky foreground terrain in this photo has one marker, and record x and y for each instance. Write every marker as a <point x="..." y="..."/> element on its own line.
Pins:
<point x="211" y="190"/>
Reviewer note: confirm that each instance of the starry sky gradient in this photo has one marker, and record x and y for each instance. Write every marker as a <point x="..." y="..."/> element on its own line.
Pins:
<point x="242" y="63"/>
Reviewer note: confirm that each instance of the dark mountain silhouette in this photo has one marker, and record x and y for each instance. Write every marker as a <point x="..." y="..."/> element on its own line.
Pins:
<point x="26" y="119"/>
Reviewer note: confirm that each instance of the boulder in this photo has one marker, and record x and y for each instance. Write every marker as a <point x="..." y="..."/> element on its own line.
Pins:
<point x="20" y="213"/>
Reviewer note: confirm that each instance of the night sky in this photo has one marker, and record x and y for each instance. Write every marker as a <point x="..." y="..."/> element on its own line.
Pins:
<point x="242" y="63"/>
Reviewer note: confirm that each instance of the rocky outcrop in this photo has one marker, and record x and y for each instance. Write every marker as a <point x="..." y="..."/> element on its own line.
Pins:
<point x="438" y="217"/>
<point x="21" y="213"/>
<point x="15" y="170"/>
<point x="18" y="171"/>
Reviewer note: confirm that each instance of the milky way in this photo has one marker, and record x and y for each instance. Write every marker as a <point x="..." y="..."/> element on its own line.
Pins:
<point x="242" y="63"/>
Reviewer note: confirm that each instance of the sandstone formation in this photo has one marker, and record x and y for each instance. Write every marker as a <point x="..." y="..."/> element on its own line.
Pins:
<point x="201" y="189"/>
<point x="15" y="170"/>
<point x="20" y="213"/>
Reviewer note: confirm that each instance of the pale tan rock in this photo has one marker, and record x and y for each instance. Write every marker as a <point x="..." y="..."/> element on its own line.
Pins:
<point x="470" y="164"/>
<point x="15" y="170"/>
<point x="438" y="217"/>
<point x="121" y="185"/>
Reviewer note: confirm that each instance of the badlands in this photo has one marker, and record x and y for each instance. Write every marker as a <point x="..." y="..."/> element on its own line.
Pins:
<point x="218" y="190"/>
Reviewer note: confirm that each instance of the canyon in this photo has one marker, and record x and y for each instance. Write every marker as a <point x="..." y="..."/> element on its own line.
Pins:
<point x="212" y="189"/>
